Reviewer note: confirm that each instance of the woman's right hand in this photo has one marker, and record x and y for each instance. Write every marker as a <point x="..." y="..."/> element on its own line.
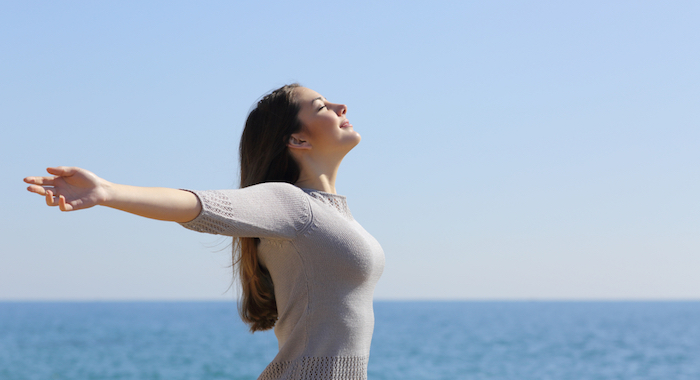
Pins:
<point x="69" y="188"/>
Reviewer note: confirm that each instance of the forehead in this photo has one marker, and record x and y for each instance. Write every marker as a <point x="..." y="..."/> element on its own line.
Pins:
<point x="306" y="96"/>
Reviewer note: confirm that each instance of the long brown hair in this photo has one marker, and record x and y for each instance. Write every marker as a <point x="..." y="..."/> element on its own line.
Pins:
<point x="264" y="157"/>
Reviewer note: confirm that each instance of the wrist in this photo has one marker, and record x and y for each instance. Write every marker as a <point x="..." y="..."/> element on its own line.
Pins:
<point x="108" y="195"/>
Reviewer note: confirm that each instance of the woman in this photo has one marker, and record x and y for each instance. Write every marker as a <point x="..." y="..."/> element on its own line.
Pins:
<point x="306" y="267"/>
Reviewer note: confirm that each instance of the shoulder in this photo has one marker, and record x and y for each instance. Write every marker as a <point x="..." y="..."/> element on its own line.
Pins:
<point x="262" y="196"/>
<point x="278" y="191"/>
<point x="276" y="188"/>
<point x="277" y="194"/>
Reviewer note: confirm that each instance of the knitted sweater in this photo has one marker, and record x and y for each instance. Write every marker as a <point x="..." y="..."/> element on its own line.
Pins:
<point x="324" y="267"/>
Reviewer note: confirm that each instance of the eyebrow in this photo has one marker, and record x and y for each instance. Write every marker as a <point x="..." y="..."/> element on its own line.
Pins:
<point x="319" y="98"/>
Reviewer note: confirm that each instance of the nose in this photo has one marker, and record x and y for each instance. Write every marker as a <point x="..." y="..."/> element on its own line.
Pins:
<point x="341" y="109"/>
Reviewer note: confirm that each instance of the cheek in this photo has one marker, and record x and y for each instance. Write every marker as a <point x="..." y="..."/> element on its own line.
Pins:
<point x="324" y="128"/>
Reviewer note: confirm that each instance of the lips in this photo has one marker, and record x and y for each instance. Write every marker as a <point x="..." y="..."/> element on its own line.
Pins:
<point x="345" y="124"/>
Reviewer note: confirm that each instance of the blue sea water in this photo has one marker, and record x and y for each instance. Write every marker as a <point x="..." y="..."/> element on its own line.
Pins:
<point x="412" y="340"/>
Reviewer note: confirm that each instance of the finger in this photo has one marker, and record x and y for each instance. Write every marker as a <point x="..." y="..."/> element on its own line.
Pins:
<point x="49" y="198"/>
<point x="63" y="205"/>
<point x="37" y="189"/>
<point x="63" y="171"/>
<point x="45" y="181"/>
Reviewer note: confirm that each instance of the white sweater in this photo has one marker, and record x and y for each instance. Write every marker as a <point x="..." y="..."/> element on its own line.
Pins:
<point x="324" y="267"/>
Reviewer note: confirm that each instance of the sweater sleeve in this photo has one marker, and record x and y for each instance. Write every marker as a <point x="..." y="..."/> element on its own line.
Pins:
<point x="268" y="210"/>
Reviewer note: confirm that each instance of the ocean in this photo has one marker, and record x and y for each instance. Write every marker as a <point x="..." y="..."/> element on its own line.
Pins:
<point x="412" y="340"/>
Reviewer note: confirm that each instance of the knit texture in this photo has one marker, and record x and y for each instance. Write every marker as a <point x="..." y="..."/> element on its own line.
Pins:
<point x="332" y="368"/>
<point x="323" y="264"/>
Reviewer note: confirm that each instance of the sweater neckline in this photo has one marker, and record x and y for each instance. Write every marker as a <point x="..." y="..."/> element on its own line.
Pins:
<point x="323" y="193"/>
<point x="338" y="202"/>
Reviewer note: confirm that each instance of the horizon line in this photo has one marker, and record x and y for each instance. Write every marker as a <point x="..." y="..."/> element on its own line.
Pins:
<point x="219" y="300"/>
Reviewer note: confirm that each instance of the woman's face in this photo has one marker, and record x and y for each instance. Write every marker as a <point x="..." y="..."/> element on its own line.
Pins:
<point x="324" y="124"/>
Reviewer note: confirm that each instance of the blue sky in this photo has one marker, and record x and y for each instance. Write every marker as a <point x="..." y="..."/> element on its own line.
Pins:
<point x="511" y="150"/>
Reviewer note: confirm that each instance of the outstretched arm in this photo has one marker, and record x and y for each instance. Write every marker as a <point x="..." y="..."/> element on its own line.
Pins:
<point x="72" y="188"/>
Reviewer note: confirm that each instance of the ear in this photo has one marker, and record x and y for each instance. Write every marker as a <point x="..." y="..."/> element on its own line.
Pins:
<point x="297" y="141"/>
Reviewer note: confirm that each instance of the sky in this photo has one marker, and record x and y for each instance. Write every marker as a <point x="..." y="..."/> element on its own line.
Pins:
<point x="510" y="150"/>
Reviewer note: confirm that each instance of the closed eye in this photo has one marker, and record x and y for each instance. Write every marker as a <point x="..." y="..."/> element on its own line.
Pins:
<point x="322" y="107"/>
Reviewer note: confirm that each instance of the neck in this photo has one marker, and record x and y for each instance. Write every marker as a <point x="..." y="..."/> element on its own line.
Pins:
<point x="318" y="175"/>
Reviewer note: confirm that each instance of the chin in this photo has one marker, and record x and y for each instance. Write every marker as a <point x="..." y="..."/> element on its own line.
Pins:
<point x="356" y="140"/>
